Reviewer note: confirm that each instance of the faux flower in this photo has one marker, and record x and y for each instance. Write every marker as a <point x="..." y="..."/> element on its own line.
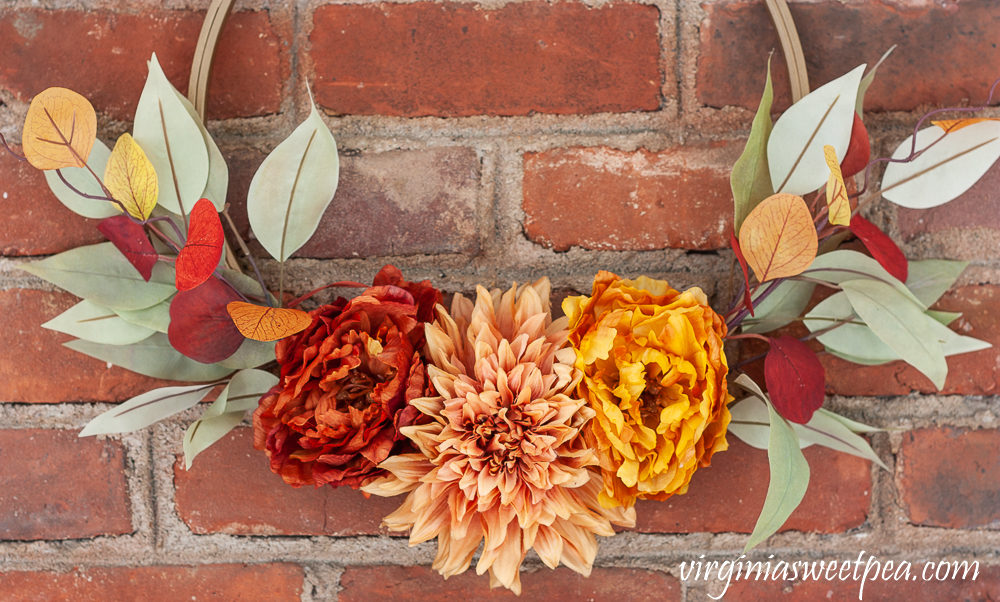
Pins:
<point x="346" y="386"/>
<point x="502" y="457"/>
<point x="655" y="374"/>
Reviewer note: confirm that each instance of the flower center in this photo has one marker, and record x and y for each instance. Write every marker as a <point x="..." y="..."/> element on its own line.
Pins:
<point x="356" y="390"/>
<point x="652" y="403"/>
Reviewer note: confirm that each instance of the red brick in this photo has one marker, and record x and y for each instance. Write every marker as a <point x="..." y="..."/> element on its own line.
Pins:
<point x="455" y="59"/>
<point x="265" y="504"/>
<point x="233" y="582"/>
<point x="975" y="373"/>
<point x="985" y="588"/>
<point x="55" y="485"/>
<point x="939" y="59"/>
<point x="392" y="583"/>
<point x="391" y="203"/>
<point x="728" y="495"/>
<point x="606" y="199"/>
<point x="979" y="207"/>
<point x="36" y="368"/>
<point x="950" y="477"/>
<point x="102" y="55"/>
<point x="35" y="222"/>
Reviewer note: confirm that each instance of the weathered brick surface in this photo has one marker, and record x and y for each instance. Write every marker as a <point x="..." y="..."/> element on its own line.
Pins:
<point x="265" y="504"/>
<point x="396" y="583"/>
<point x="979" y="207"/>
<point x="985" y="588"/>
<point x="392" y="203"/>
<point x="950" y="477"/>
<point x="54" y="485"/>
<point x="36" y="368"/>
<point x="454" y="59"/>
<point x="35" y="222"/>
<point x="728" y="495"/>
<point x="231" y="582"/>
<point x="941" y="50"/>
<point x="602" y="198"/>
<point x="102" y="55"/>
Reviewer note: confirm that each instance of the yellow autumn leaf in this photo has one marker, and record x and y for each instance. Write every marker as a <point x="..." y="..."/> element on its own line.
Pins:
<point x="267" y="323"/>
<point x="778" y="238"/>
<point x="951" y="125"/>
<point x="131" y="178"/>
<point x="59" y="130"/>
<point x="838" y="205"/>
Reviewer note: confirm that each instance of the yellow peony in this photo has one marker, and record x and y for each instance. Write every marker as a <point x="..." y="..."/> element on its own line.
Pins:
<point x="655" y="374"/>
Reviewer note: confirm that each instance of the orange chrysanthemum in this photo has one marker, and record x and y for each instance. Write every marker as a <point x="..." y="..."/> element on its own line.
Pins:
<point x="655" y="374"/>
<point x="503" y="457"/>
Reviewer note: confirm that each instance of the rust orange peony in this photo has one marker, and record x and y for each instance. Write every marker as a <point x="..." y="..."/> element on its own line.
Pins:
<point x="502" y="457"/>
<point x="654" y="371"/>
<point x="346" y="386"/>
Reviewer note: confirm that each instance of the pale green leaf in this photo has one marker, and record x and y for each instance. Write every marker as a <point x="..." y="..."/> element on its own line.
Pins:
<point x="944" y="317"/>
<point x="931" y="278"/>
<point x="751" y="179"/>
<point x="97" y="324"/>
<point x="789" y="479"/>
<point x="293" y="187"/>
<point x="247" y="285"/>
<point x="156" y="317"/>
<point x="901" y="324"/>
<point x="780" y="307"/>
<point x="242" y="394"/>
<point x="854" y="426"/>
<point x="85" y="182"/>
<point x="824" y="430"/>
<point x="218" y="171"/>
<point x="172" y="140"/>
<point x="750" y="422"/>
<point x="101" y="274"/>
<point x="943" y="171"/>
<point x="857" y="360"/>
<point x="866" y="83"/>
<point x="152" y="357"/>
<point x="841" y="265"/>
<point x="250" y="355"/>
<point x="144" y="410"/>
<point x="824" y="117"/>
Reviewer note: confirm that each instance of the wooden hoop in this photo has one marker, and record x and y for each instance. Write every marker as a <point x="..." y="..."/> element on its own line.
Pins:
<point x="791" y="46"/>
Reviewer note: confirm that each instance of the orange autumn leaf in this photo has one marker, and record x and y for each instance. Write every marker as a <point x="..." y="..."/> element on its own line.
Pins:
<point x="778" y="238"/>
<point x="952" y="125"/>
<point x="838" y="205"/>
<point x="59" y="130"/>
<point x="131" y="178"/>
<point x="267" y="323"/>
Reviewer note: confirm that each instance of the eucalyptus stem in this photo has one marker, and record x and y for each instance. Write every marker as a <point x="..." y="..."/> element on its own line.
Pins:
<point x="246" y="251"/>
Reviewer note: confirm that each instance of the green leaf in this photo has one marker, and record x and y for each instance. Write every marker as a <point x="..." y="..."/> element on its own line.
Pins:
<point x="855" y="427"/>
<point x="944" y="171"/>
<point x="172" y="140"/>
<point x="242" y="394"/>
<point x="789" y="480"/>
<point x="780" y="307"/>
<point x="944" y="317"/>
<point x="97" y="324"/>
<point x="246" y="284"/>
<point x="866" y="82"/>
<point x="101" y="274"/>
<point x="144" y="410"/>
<point x="751" y="179"/>
<point x="795" y="155"/>
<point x="85" y="182"/>
<point x="858" y="360"/>
<point x="250" y="355"/>
<point x="293" y="187"/>
<point x="899" y="323"/>
<point x="931" y="278"/>
<point x="838" y="266"/>
<point x="218" y="171"/>
<point x="152" y="357"/>
<point x="827" y="431"/>
<point x="156" y="317"/>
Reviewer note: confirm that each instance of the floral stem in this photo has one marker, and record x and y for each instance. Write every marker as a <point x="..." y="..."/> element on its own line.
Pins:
<point x="10" y="150"/>
<point x="246" y="251"/>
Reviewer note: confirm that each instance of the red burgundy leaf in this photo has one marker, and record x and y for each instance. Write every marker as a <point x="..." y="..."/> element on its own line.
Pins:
<point x="795" y="379"/>
<point x="859" y="151"/>
<point x="130" y="238"/>
<point x="203" y="249"/>
<point x="882" y="248"/>
<point x="747" y="301"/>
<point x="200" y="326"/>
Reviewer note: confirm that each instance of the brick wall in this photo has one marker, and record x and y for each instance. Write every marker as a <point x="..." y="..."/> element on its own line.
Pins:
<point x="484" y="143"/>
